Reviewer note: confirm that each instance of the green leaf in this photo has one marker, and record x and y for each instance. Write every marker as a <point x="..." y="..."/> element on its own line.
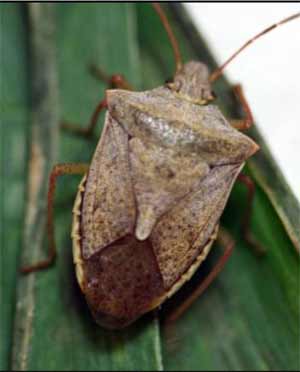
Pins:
<point x="249" y="317"/>
<point x="13" y="135"/>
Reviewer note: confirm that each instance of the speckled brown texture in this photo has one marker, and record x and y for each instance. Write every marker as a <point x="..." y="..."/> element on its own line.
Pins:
<point x="180" y="233"/>
<point x="161" y="177"/>
<point x="108" y="211"/>
<point x="157" y="186"/>
<point x="121" y="281"/>
<point x="191" y="83"/>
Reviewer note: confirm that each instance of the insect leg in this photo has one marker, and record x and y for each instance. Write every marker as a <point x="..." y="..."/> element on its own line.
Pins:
<point x="58" y="170"/>
<point x="247" y="122"/>
<point x="248" y="236"/>
<point x="226" y="241"/>
<point x="88" y="130"/>
<point x="113" y="81"/>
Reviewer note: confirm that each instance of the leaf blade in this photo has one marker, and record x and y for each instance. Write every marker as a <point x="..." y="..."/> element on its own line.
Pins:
<point x="13" y="133"/>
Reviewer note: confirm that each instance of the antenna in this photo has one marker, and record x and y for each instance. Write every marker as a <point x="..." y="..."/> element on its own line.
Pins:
<point x="218" y="72"/>
<point x="172" y="38"/>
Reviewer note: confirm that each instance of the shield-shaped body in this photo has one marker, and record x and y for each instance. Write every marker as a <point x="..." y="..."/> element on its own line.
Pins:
<point x="147" y="212"/>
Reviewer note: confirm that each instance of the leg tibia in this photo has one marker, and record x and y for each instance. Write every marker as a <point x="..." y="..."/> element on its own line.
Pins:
<point x="247" y="122"/>
<point x="58" y="170"/>
<point x="227" y="243"/>
<point x="246" y="231"/>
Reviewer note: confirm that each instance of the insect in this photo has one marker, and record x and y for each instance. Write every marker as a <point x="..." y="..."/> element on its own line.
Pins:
<point x="148" y="207"/>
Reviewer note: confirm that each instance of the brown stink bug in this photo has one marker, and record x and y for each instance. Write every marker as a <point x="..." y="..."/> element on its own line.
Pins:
<point x="148" y="207"/>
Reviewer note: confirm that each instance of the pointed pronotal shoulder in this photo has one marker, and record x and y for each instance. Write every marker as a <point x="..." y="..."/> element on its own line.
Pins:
<point x="162" y="117"/>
